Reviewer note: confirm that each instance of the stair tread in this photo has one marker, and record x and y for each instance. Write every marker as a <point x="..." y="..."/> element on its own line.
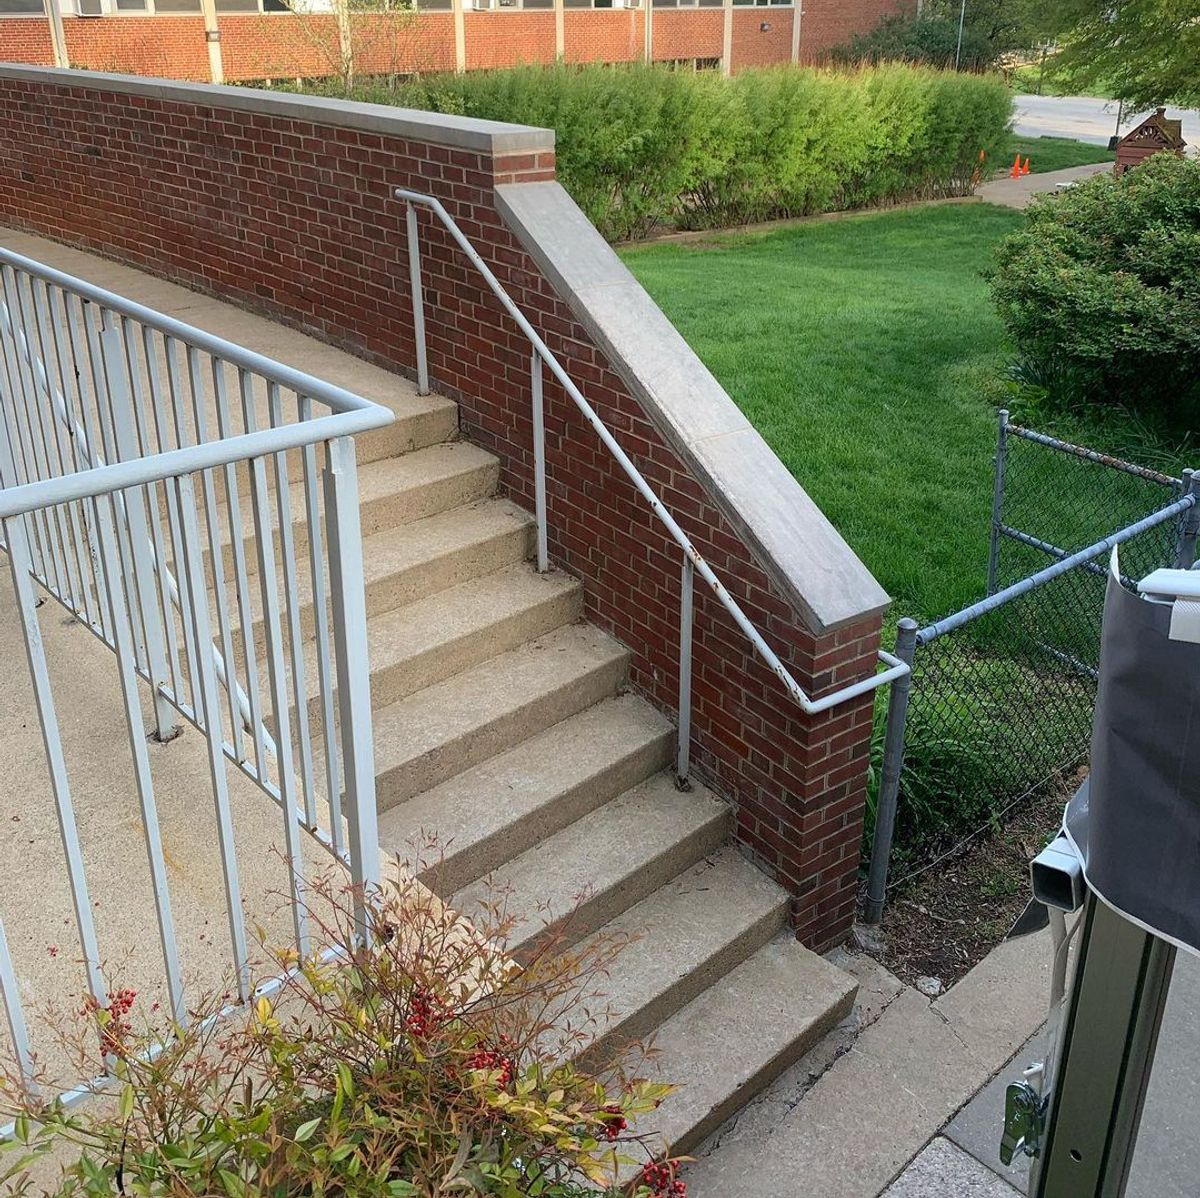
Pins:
<point x="527" y="783"/>
<point x="432" y="638"/>
<point x="690" y="932"/>
<point x="383" y="479"/>
<point x="742" y="1032"/>
<point x="595" y="854"/>
<point x="432" y="718"/>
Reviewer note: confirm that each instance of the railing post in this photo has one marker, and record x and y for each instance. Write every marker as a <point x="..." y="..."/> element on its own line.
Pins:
<point x="889" y="782"/>
<point x="997" y="499"/>
<point x="1186" y="557"/>
<point x="539" y="463"/>
<point x="348" y="598"/>
<point x="683" y="759"/>
<point x="418" y="299"/>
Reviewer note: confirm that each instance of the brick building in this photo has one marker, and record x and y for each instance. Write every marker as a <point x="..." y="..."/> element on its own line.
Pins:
<point x="264" y="39"/>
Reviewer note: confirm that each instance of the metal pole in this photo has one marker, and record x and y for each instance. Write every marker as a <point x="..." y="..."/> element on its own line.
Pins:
<point x="889" y="782"/>
<point x="418" y="300"/>
<point x="1186" y="557"/>
<point x="353" y="673"/>
<point x="1106" y="1051"/>
<point x="539" y="463"/>
<point x="997" y="499"/>
<point x="686" y="610"/>
<point x="962" y="16"/>
<point x="58" y="36"/>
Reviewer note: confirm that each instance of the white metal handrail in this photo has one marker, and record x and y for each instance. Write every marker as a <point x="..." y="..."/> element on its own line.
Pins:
<point x="693" y="561"/>
<point x="97" y="454"/>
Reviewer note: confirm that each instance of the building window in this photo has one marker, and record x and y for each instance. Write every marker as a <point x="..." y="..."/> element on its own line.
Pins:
<point x="21" y="8"/>
<point x="765" y="3"/>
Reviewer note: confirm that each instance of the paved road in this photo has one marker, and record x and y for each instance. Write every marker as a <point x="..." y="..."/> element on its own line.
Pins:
<point x="1087" y="119"/>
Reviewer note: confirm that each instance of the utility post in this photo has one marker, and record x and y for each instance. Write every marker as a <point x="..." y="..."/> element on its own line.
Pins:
<point x="727" y="39"/>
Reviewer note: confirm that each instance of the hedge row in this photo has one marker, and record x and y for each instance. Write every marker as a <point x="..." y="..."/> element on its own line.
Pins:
<point x="643" y="147"/>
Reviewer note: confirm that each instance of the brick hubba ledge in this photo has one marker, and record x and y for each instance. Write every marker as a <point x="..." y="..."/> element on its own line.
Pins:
<point x="284" y="204"/>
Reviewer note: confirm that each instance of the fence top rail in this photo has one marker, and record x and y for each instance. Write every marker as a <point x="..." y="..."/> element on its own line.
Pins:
<point x="894" y="667"/>
<point x="337" y="399"/>
<point x="1091" y="455"/>
<point x="940" y="627"/>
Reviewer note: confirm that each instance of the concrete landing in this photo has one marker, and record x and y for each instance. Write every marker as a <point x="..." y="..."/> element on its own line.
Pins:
<point x="1017" y="193"/>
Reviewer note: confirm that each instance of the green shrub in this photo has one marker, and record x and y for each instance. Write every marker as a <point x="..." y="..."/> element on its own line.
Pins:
<point x="642" y="147"/>
<point x="424" y="1065"/>
<point x="931" y="40"/>
<point x="1101" y="288"/>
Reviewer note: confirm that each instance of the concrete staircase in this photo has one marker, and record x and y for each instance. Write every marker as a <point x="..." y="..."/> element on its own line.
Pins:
<point x="503" y="731"/>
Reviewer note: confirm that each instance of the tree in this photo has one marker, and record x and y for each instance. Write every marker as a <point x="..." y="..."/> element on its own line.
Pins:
<point x="361" y="37"/>
<point x="1144" y="52"/>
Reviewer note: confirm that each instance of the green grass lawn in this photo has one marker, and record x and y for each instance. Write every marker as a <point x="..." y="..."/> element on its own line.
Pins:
<point x="866" y="352"/>
<point x="1054" y="153"/>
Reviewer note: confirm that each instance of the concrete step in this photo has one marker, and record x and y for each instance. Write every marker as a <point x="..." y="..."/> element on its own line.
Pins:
<point x="421" y="643"/>
<point x="692" y="932"/>
<point x="431" y="735"/>
<point x="740" y="1034"/>
<point x="433" y="554"/>
<point x="391" y="492"/>
<point x="479" y="819"/>
<point x="597" y="868"/>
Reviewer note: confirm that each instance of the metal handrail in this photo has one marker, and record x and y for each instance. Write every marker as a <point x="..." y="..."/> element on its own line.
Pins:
<point x="693" y="560"/>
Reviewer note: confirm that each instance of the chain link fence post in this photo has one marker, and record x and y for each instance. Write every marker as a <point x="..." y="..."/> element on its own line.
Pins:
<point x="889" y="782"/>
<point x="1191" y="523"/>
<point x="997" y="499"/>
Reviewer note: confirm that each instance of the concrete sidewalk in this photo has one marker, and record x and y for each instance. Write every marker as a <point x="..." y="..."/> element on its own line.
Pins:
<point x="1017" y="193"/>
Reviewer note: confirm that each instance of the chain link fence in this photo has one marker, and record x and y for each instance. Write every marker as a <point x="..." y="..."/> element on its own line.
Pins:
<point x="999" y="703"/>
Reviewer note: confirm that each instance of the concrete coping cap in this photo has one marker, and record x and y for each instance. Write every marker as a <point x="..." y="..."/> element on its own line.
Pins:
<point x="457" y="132"/>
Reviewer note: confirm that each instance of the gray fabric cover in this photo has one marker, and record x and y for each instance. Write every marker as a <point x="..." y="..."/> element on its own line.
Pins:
<point x="1136" y="822"/>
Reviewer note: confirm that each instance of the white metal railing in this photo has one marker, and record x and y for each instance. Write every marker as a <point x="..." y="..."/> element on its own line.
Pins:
<point x="693" y="562"/>
<point x="123" y="465"/>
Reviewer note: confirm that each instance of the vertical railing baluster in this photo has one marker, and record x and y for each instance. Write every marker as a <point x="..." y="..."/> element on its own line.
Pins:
<point x="316" y="565"/>
<point x="353" y="681"/>
<point x="287" y="550"/>
<point x="418" y="300"/>
<point x="233" y="509"/>
<point x="57" y="418"/>
<point x="194" y="600"/>
<point x="993" y="568"/>
<point x="39" y="674"/>
<point x="276" y="675"/>
<point x="539" y="463"/>
<point x="18" y="1031"/>
<point x="683" y="756"/>
<point x="103" y="510"/>
<point x="125" y="399"/>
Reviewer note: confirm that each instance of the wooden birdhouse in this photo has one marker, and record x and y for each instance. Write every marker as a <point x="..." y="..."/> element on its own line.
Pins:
<point x="1154" y="135"/>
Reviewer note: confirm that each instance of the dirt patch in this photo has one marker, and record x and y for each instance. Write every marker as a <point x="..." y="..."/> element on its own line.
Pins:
<point x="948" y="919"/>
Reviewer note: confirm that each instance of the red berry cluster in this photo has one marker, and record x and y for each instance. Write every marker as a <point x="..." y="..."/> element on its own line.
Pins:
<point x="487" y="1059"/>
<point x="116" y="1028"/>
<point x="661" y="1179"/>
<point x="426" y="1014"/>
<point x="614" y="1122"/>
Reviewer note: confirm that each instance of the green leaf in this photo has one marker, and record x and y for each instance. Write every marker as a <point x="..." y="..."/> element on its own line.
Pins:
<point x="305" y="1130"/>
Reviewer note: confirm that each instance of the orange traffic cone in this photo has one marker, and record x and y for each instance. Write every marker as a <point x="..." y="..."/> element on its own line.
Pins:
<point x="1015" y="173"/>
<point x="1025" y="168"/>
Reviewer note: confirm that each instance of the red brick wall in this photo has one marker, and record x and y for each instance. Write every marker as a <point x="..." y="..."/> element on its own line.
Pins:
<point x="829" y="23"/>
<point x="688" y="33"/>
<point x="25" y="39"/>
<point x="297" y="220"/>
<point x="604" y="35"/>
<point x="508" y="37"/>
<point x="754" y="47"/>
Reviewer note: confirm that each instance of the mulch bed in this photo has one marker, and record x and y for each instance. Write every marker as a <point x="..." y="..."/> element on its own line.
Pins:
<point x="948" y="919"/>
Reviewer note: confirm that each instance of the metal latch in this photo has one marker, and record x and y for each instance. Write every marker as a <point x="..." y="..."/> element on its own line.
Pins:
<point x="1024" y="1121"/>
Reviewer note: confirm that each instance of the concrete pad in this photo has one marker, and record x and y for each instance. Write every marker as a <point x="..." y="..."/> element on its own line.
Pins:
<point x="944" y="1171"/>
<point x="1017" y="193"/>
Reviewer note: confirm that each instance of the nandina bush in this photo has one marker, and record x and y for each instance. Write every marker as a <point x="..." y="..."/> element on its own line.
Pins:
<point x="427" y="1063"/>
